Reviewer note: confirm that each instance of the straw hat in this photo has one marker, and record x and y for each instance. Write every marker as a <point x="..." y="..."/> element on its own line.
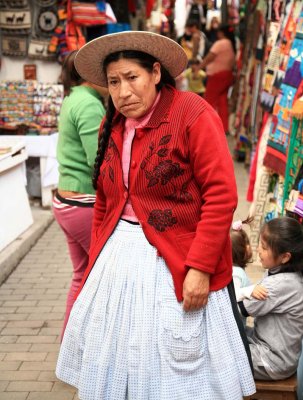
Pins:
<point x="89" y="59"/>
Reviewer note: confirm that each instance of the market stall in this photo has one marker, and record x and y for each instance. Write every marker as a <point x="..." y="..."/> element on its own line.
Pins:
<point x="269" y="110"/>
<point x="15" y="211"/>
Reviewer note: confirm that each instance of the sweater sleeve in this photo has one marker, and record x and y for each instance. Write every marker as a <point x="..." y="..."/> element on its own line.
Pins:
<point x="213" y="170"/>
<point x="88" y="116"/>
<point x="275" y="298"/>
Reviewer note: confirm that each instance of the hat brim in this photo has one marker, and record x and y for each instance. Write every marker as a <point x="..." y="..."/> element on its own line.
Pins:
<point x="89" y="59"/>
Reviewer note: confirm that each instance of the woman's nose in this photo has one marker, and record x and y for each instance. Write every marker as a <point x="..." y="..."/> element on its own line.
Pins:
<point x="124" y="90"/>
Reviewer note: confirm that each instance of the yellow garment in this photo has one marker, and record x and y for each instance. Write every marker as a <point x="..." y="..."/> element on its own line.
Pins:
<point x="195" y="84"/>
<point x="297" y="109"/>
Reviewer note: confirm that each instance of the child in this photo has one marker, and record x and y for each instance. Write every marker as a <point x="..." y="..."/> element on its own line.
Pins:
<point x="195" y="77"/>
<point x="275" y="340"/>
<point x="241" y="255"/>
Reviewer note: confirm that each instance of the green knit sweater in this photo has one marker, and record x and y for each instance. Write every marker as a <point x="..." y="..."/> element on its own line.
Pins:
<point x="79" y="121"/>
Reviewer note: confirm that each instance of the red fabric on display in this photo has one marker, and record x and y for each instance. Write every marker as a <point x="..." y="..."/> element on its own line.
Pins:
<point x="149" y="7"/>
<point x="217" y="86"/>
<point x="253" y="168"/>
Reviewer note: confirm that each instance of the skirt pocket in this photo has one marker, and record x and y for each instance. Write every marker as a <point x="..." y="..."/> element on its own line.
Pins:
<point x="182" y="336"/>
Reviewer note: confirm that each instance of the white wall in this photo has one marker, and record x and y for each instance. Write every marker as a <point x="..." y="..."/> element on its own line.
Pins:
<point x="12" y="69"/>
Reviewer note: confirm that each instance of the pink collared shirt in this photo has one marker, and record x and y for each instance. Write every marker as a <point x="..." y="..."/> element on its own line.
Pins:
<point x="128" y="136"/>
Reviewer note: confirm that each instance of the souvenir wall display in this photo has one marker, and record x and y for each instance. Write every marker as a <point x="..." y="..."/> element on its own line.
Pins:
<point x="49" y="29"/>
<point x="17" y="102"/>
<point x="47" y="103"/>
<point x="30" y="103"/>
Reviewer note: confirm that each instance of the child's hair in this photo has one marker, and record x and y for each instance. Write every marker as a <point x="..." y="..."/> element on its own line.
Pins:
<point x="240" y="243"/>
<point x="285" y="235"/>
<point x="193" y="61"/>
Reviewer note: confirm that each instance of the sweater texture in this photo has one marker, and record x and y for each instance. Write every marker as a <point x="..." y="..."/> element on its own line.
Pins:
<point x="181" y="185"/>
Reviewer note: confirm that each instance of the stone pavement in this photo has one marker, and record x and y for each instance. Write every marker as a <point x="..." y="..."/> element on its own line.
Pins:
<point x="32" y="304"/>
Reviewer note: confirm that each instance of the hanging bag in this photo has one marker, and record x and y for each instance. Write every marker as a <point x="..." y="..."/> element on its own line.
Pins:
<point x="92" y="13"/>
<point x="73" y="34"/>
<point x="74" y="37"/>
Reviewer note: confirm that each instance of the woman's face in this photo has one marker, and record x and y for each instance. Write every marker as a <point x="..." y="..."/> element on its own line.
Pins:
<point x="131" y="87"/>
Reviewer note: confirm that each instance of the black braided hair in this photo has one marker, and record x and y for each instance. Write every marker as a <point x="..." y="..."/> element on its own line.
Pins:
<point x="146" y="61"/>
<point x="103" y="140"/>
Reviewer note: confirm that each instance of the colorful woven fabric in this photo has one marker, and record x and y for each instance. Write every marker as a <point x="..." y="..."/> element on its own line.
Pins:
<point x="276" y="152"/>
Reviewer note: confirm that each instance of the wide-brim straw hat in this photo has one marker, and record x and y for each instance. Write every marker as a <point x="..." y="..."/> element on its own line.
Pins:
<point x="89" y="59"/>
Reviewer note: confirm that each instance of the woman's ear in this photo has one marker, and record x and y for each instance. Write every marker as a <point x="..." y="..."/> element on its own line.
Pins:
<point x="285" y="257"/>
<point x="157" y="72"/>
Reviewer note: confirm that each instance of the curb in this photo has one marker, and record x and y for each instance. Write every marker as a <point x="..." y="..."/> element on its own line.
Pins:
<point x="14" y="252"/>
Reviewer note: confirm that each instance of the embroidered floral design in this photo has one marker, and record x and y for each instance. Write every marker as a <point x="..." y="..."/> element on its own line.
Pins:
<point x="166" y="170"/>
<point x="180" y="195"/>
<point x="161" y="219"/>
<point x="163" y="173"/>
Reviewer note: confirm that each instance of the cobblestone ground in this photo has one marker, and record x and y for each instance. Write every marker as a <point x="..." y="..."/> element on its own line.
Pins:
<point x="32" y="304"/>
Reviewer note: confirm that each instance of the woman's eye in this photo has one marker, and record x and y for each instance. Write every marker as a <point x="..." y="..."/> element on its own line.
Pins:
<point x="132" y="77"/>
<point x="113" y="82"/>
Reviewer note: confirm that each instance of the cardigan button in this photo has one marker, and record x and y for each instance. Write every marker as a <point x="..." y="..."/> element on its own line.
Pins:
<point x="134" y="164"/>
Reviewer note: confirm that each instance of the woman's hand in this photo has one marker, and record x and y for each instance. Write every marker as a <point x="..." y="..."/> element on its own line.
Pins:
<point x="195" y="289"/>
<point x="259" y="293"/>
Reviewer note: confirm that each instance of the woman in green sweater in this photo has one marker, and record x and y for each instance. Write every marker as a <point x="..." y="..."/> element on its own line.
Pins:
<point x="79" y="121"/>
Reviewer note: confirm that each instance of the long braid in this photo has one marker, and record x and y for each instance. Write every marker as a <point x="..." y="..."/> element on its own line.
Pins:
<point x="103" y="141"/>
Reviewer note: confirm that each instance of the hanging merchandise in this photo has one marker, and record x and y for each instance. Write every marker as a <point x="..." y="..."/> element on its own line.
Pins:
<point x="276" y="99"/>
<point x="15" y="24"/>
<point x="45" y="21"/>
<point x="276" y="154"/>
<point x="15" y="20"/>
<point x="57" y="44"/>
<point x="38" y="50"/>
<point x="92" y="13"/>
<point x="13" y="4"/>
<point x="74" y="37"/>
<point x="13" y="46"/>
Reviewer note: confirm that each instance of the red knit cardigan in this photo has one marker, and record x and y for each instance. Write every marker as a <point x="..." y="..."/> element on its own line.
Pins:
<point x="181" y="185"/>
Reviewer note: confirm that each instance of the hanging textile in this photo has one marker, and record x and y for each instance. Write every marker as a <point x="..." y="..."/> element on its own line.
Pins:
<point x="276" y="153"/>
<point x="15" y="25"/>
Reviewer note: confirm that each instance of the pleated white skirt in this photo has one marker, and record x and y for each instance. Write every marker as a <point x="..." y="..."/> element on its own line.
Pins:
<point x="129" y="338"/>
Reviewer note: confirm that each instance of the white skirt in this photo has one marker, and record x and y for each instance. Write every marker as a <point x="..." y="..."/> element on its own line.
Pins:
<point x="129" y="338"/>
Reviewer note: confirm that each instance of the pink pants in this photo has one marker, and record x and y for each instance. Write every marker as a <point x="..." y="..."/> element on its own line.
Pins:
<point x="217" y="86"/>
<point x="76" y="223"/>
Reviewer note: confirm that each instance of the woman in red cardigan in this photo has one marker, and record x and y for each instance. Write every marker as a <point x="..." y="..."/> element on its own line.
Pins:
<point x="155" y="316"/>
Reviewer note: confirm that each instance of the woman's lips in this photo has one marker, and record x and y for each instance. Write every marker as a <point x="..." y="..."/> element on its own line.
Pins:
<point x="128" y="105"/>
